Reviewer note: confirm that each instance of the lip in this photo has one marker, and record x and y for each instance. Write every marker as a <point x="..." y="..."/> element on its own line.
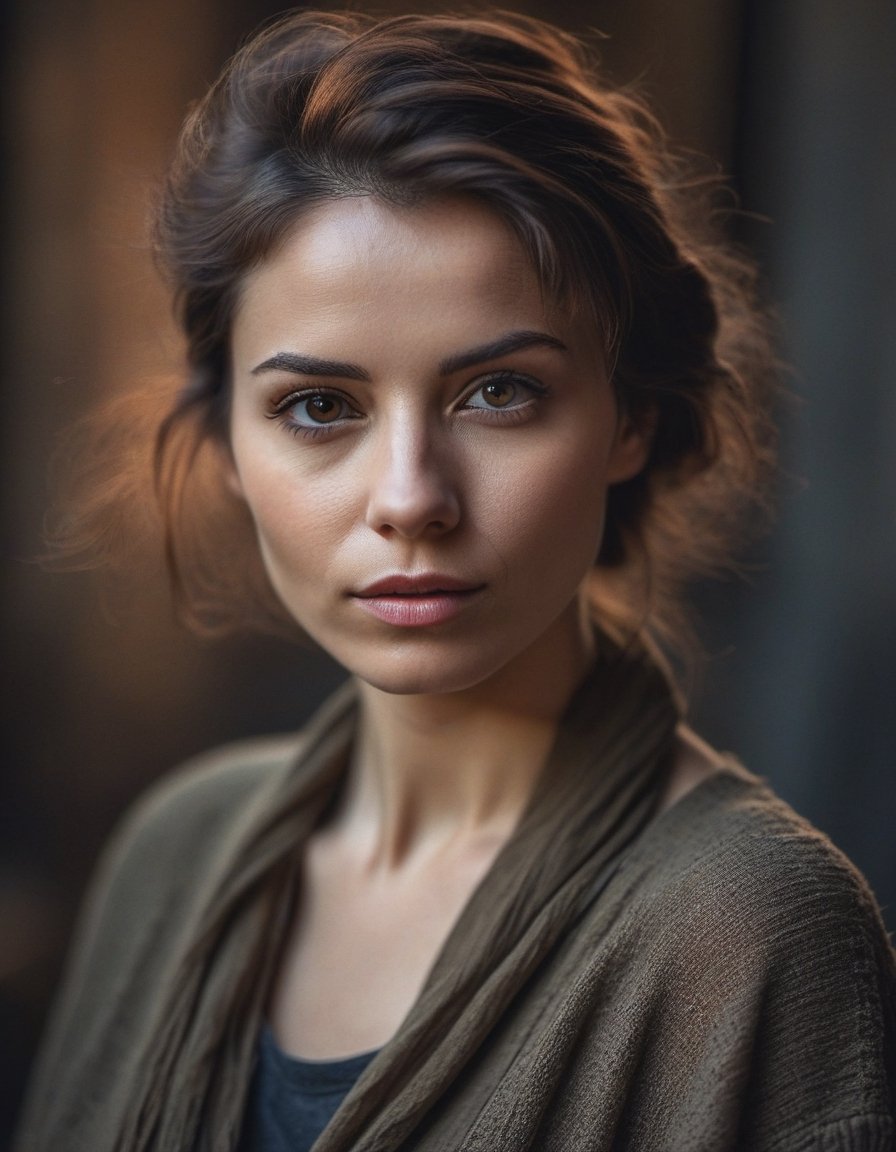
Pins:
<point x="427" y="583"/>
<point x="416" y="601"/>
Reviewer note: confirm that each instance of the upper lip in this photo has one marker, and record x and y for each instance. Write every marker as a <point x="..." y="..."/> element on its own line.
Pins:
<point x="427" y="582"/>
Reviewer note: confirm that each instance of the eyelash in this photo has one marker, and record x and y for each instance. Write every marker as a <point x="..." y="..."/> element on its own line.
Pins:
<point x="506" y="416"/>
<point x="516" y="412"/>
<point x="307" y="431"/>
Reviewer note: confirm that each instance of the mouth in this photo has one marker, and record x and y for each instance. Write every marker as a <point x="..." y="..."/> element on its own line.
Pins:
<point x="426" y="584"/>
<point x="416" y="601"/>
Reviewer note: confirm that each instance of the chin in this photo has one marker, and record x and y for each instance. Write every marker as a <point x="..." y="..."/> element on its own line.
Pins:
<point x="430" y="673"/>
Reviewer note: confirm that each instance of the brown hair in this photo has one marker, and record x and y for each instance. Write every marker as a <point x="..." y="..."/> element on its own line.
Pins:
<point x="509" y="110"/>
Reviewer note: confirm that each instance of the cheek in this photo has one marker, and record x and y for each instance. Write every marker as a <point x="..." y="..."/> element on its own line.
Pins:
<point x="547" y="510"/>
<point x="296" y="524"/>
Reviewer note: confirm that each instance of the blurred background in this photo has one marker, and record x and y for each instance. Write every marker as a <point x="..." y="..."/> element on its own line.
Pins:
<point x="794" y="99"/>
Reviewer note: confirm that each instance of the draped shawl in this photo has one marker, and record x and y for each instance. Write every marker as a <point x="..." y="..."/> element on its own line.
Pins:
<point x="615" y="980"/>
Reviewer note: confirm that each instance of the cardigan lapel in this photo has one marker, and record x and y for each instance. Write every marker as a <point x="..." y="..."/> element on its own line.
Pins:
<point x="598" y="790"/>
<point x="596" y="793"/>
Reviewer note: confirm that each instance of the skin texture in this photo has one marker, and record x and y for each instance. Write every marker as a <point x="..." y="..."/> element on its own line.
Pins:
<point x="414" y="478"/>
<point x="494" y="474"/>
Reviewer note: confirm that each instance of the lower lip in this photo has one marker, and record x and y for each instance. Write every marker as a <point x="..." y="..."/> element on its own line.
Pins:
<point x="416" y="611"/>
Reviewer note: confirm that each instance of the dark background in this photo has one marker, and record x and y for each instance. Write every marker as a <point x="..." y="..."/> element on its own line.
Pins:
<point x="793" y="98"/>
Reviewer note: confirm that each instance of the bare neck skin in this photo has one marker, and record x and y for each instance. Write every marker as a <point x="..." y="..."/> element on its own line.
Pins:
<point x="435" y="770"/>
<point x="437" y="786"/>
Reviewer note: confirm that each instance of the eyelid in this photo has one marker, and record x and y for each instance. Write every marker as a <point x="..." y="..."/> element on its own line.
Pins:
<point x="510" y="375"/>
<point x="294" y="395"/>
<point x="280" y="411"/>
<point x="533" y="388"/>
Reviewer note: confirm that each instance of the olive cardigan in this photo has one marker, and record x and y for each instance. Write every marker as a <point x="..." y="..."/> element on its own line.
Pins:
<point x="711" y="979"/>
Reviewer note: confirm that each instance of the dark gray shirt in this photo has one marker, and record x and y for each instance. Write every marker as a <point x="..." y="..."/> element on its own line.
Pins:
<point x="291" y="1101"/>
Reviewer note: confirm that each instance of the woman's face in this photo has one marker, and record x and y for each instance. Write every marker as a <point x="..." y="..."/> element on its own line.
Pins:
<point x="424" y="444"/>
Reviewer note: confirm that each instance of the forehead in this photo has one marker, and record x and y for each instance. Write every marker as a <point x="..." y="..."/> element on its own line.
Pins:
<point x="359" y="266"/>
<point x="363" y="226"/>
<point x="362" y="233"/>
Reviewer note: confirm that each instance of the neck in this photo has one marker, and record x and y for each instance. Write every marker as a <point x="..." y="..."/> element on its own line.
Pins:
<point x="435" y="771"/>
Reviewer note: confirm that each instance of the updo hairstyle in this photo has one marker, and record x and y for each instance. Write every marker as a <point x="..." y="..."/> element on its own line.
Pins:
<point x="513" y="113"/>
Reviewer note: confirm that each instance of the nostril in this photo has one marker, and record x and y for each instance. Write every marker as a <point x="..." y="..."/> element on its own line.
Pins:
<point x="411" y="513"/>
<point x="413" y="486"/>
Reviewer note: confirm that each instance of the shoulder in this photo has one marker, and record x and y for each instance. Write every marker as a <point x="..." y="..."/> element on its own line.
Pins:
<point x="146" y="888"/>
<point x="192" y="809"/>
<point x="204" y="793"/>
<point x="732" y="892"/>
<point x="183" y="833"/>
<point x="733" y="855"/>
<point x="174" y="835"/>
<point x="767" y="952"/>
<point x="212" y="795"/>
<point x="747" y="901"/>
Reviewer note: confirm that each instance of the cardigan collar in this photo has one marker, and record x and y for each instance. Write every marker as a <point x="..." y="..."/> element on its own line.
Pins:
<point x="598" y="789"/>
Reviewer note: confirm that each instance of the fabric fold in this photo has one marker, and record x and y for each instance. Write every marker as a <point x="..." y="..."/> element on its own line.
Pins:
<point x="195" y="1048"/>
<point x="714" y="975"/>
<point x="596" y="793"/>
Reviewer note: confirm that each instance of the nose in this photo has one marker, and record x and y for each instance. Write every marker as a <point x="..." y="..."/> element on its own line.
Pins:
<point x="412" y="491"/>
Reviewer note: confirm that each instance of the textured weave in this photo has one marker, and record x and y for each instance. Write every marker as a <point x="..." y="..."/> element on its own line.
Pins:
<point x="714" y="978"/>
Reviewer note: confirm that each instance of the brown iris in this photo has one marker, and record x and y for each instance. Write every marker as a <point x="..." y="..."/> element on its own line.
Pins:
<point x="499" y="393"/>
<point x="322" y="409"/>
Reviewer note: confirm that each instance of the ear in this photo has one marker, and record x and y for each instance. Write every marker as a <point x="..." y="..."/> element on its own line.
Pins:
<point x="631" y="446"/>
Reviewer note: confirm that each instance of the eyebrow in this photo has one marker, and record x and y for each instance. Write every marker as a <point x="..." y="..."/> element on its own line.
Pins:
<point x="304" y="365"/>
<point x="502" y="346"/>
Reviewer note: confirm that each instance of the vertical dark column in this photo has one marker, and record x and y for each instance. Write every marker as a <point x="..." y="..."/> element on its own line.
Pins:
<point x="94" y="91"/>
<point x="815" y="710"/>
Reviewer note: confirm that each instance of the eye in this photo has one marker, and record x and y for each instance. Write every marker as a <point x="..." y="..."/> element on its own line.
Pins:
<point x="314" y="409"/>
<point x="504" y="390"/>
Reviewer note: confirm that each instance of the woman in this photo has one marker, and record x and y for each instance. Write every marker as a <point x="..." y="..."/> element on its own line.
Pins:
<point x="471" y="400"/>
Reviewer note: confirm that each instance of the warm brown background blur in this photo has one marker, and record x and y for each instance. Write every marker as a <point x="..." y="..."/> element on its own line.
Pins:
<point x="794" y="98"/>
